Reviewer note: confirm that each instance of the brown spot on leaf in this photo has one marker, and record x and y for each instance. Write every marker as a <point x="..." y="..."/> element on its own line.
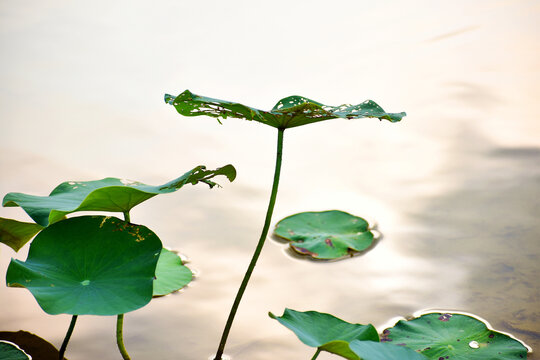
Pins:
<point x="305" y="251"/>
<point x="291" y="232"/>
<point x="445" y="317"/>
<point x="329" y="242"/>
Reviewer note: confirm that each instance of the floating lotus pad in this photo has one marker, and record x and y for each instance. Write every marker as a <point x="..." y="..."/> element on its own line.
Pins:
<point x="325" y="331"/>
<point x="325" y="235"/>
<point x="10" y="351"/>
<point x="289" y="112"/>
<point x="15" y="233"/>
<point x="92" y="265"/>
<point x="171" y="274"/>
<point x="370" y="350"/>
<point x="454" y="337"/>
<point x="33" y="345"/>
<point x="109" y="194"/>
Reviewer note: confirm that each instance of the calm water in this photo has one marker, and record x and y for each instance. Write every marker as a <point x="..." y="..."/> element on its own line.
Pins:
<point x="454" y="187"/>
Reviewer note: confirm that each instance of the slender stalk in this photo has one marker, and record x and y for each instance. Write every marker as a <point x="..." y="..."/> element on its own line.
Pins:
<point x="316" y="354"/>
<point x="258" y="249"/>
<point x="120" y="337"/>
<point x="68" y="336"/>
<point x="120" y="321"/>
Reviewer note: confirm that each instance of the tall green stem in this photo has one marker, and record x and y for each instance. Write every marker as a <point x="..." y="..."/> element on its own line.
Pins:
<point x="68" y="336"/>
<point x="120" y="337"/>
<point x="120" y="320"/>
<point x="258" y="249"/>
<point x="316" y="354"/>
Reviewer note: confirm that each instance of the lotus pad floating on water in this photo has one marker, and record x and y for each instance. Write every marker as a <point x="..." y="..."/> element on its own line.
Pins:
<point x="109" y="194"/>
<point x="289" y="112"/>
<point x="454" y="337"/>
<point x="325" y="235"/>
<point x="326" y="332"/>
<point x="10" y="351"/>
<point x="92" y="265"/>
<point x="171" y="274"/>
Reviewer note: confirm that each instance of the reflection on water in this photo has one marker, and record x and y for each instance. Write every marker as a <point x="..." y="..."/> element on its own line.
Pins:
<point x="454" y="187"/>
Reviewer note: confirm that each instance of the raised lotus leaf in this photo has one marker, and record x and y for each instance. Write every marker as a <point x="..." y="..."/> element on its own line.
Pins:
<point x="454" y="336"/>
<point x="371" y="350"/>
<point x="171" y="274"/>
<point x="325" y="235"/>
<point x="326" y="332"/>
<point x="289" y="112"/>
<point x="109" y="194"/>
<point x="15" y="233"/>
<point x="92" y="265"/>
<point x="10" y="351"/>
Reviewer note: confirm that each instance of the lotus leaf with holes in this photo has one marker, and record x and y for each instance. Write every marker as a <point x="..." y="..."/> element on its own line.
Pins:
<point x="92" y="265"/>
<point x="289" y="112"/>
<point x="109" y="194"/>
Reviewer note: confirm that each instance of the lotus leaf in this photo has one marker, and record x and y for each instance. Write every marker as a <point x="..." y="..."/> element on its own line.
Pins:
<point x="454" y="336"/>
<point x="326" y="332"/>
<point x="325" y="235"/>
<point x="370" y="350"/>
<point x="289" y="112"/>
<point x="109" y="194"/>
<point x="15" y="233"/>
<point x="89" y="265"/>
<point x="10" y="351"/>
<point x="35" y="346"/>
<point x="171" y="274"/>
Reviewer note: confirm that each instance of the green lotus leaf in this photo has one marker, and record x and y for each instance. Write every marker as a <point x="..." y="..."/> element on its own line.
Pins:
<point x="36" y="347"/>
<point x="15" y="233"/>
<point x="171" y="274"/>
<point x="325" y="235"/>
<point x="289" y="112"/>
<point x="454" y="336"/>
<point x="92" y="265"/>
<point x="370" y="350"/>
<point x="109" y="194"/>
<point x="325" y="331"/>
<point x="10" y="351"/>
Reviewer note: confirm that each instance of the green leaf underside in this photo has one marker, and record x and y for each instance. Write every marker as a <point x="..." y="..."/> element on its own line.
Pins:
<point x="10" y="351"/>
<point x="325" y="235"/>
<point x="15" y="233"/>
<point x="171" y="274"/>
<point x="92" y="265"/>
<point x="289" y="112"/>
<point x="456" y="336"/>
<point x="326" y="331"/>
<point x="370" y="350"/>
<point x="109" y="194"/>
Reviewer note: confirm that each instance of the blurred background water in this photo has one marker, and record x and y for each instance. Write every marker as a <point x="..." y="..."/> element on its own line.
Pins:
<point x="454" y="187"/>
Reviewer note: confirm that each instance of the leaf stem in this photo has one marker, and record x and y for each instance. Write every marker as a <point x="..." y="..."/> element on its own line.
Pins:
<point x="68" y="336"/>
<point x="316" y="354"/>
<point x="258" y="249"/>
<point x="120" y="320"/>
<point x="120" y="337"/>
